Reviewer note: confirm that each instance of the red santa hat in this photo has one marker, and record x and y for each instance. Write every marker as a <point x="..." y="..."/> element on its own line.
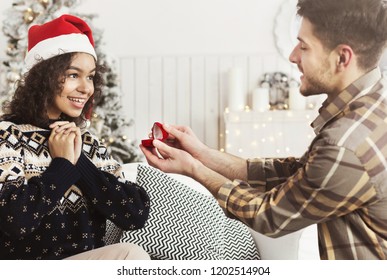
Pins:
<point x="65" y="34"/>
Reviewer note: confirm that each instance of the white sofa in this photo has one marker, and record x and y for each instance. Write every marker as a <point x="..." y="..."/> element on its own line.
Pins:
<point x="298" y="245"/>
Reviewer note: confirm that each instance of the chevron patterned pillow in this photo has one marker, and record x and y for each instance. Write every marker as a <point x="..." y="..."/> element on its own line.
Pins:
<point x="185" y="224"/>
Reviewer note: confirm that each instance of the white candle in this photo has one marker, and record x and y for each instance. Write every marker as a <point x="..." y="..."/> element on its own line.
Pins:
<point x="261" y="98"/>
<point x="296" y="99"/>
<point x="236" y="88"/>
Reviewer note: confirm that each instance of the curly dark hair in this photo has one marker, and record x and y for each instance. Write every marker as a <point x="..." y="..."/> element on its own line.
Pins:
<point x="360" y="24"/>
<point x="35" y="92"/>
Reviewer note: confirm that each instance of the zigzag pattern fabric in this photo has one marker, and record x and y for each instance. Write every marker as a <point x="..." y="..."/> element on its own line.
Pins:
<point x="185" y="224"/>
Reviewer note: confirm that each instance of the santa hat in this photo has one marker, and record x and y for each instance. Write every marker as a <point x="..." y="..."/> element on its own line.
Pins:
<point x="65" y="34"/>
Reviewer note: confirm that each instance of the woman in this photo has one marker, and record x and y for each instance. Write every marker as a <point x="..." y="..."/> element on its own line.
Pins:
<point x="58" y="185"/>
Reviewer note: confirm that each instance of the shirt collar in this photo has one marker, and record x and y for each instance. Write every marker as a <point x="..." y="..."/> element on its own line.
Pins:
<point x="355" y="90"/>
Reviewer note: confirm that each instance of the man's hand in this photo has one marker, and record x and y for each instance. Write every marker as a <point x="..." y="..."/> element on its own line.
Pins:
<point x="174" y="160"/>
<point x="182" y="137"/>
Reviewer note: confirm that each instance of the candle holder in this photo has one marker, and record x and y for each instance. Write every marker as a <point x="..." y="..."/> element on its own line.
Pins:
<point x="279" y="89"/>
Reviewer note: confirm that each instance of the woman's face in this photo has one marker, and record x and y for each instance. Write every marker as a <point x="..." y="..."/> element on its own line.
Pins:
<point x="78" y="87"/>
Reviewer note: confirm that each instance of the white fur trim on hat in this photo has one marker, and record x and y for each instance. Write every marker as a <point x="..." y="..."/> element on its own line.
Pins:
<point x="58" y="45"/>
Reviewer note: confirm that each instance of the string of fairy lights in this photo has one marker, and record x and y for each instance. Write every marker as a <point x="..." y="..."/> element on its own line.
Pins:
<point x="267" y="133"/>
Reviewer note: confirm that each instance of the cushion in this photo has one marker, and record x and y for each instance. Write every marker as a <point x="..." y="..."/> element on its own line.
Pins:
<point x="113" y="233"/>
<point x="185" y="224"/>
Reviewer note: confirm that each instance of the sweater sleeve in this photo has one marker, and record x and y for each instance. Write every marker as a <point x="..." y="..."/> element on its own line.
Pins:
<point x="25" y="201"/>
<point x="123" y="202"/>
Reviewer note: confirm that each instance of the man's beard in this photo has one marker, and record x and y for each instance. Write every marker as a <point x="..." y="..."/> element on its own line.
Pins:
<point x="315" y="84"/>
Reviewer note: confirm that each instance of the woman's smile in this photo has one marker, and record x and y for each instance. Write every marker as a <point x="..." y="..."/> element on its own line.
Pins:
<point x="77" y="102"/>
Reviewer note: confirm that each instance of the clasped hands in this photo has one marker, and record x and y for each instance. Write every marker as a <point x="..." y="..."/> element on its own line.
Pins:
<point x="65" y="141"/>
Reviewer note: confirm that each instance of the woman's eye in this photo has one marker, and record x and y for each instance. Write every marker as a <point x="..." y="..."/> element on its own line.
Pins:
<point x="72" y="75"/>
<point x="91" y="77"/>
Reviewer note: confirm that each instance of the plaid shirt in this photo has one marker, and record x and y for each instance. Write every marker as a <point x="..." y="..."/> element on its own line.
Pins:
<point x="340" y="183"/>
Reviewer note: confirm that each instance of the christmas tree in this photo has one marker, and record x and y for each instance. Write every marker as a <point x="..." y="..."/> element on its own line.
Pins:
<point x="107" y="122"/>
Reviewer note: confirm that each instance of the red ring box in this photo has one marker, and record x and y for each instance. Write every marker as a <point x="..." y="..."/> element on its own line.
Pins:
<point x="158" y="133"/>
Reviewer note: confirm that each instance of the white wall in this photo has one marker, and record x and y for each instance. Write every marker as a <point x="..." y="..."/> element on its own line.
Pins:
<point x="185" y="26"/>
<point x="149" y="27"/>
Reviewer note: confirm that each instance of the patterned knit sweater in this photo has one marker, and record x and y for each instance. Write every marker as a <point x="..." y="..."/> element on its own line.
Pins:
<point x="52" y="209"/>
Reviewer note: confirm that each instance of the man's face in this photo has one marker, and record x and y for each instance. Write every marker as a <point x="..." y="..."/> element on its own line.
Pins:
<point x="313" y="61"/>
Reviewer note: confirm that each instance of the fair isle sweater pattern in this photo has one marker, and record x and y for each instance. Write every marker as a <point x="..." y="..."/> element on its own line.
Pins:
<point x="52" y="209"/>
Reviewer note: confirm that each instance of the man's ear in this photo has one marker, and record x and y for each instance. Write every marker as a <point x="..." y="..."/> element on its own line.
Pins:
<point x="345" y="56"/>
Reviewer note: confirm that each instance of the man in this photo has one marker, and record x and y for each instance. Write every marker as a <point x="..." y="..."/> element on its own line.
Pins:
<point x="340" y="183"/>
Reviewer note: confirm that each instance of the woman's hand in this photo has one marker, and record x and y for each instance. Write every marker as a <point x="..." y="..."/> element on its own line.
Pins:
<point x="65" y="141"/>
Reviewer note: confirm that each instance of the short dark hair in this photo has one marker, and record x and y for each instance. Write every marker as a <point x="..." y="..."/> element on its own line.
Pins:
<point x="361" y="24"/>
<point x="37" y="90"/>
